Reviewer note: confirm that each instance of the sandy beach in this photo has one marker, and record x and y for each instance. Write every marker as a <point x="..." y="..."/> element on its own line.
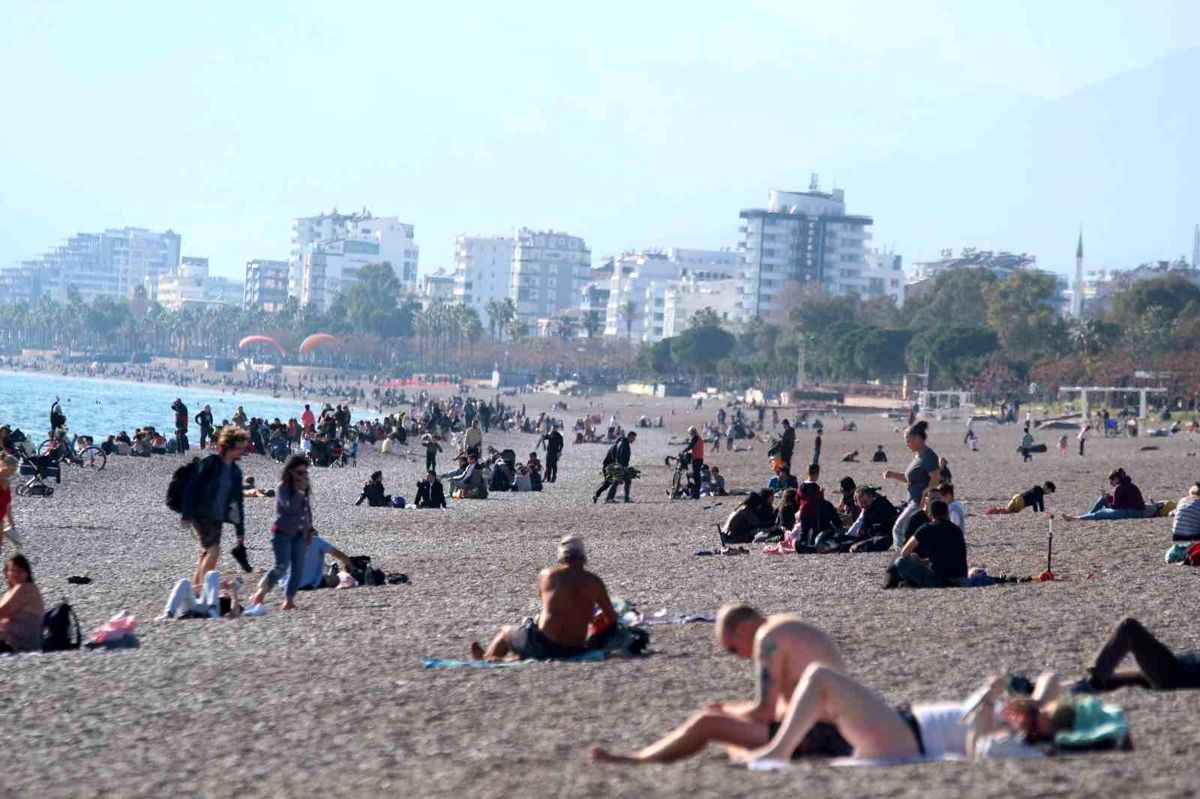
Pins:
<point x="332" y="700"/>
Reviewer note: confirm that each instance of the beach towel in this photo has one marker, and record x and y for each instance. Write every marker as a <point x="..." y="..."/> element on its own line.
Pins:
<point x="444" y="663"/>
<point x="661" y="617"/>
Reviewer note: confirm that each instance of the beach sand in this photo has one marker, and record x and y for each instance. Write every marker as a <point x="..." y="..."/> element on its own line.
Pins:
<point x="331" y="699"/>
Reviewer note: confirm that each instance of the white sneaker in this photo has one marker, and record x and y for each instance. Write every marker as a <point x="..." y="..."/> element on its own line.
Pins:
<point x="16" y="536"/>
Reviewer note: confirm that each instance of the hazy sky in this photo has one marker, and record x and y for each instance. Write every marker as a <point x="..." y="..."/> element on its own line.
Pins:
<point x="631" y="124"/>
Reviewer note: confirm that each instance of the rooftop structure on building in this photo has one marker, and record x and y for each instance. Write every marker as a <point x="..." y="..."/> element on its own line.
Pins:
<point x="438" y="286"/>
<point x="550" y="270"/>
<point x="108" y="264"/>
<point x="1001" y="263"/>
<point x="800" y="238"/>
<point x="266" y="287"/>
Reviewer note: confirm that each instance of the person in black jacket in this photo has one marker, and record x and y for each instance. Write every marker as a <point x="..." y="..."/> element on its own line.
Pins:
<point x="872" y="530"/>
<point x="374" y="493"/>
<point x="181" y="425"/>
<point x="616" y="469"/>
<point x="430" y="493"/>
<point x="205" y="420"/>
<point x="554" y="448"/>
<point x="787" y="443"/>
<point x="213" y="497"/>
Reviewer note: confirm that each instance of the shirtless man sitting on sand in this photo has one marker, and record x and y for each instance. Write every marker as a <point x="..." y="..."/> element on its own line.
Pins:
<point x="570" y="597"/>
<point x="782" y="648"/>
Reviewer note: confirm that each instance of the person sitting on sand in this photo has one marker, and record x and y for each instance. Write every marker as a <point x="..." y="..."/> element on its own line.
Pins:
<point x="872" y="530"/>
<point x="789" y="506"/>
<point x="374" y="493"/>
<point x="21" y="608"/>
<point x="572" y="597"/>
<point x="783" y="479"/>
<point x="936" y="731"/>
<point x="1125" y="501"/>
<point x="958" y="514"/>
<point x="252" y="491"/>
<point x="715" y="485"/>
<point x="936" y="555"/>
<point x="782" y="648"/>
<point x="1158" y="668"/>
<point x="430" y="493"/>
<point x="313" y="574"/>
<point x="469" y="483"/>
<point x="811" y="495"/>
<point x="1034" y="499"/>
<point x="850" y="457"/>
<point x="846" y="506"/>
<point x="880" y="456"/>
<point x="754" y="513"/>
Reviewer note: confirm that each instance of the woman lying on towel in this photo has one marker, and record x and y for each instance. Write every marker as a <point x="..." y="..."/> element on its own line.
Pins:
<point x="987" y="725"/>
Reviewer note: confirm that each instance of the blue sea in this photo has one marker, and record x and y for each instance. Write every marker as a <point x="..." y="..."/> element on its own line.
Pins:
<point x="101" y="407"/>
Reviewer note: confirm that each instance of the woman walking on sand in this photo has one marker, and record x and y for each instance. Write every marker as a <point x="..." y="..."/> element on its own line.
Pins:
<point x="920" y="474"/>
<point x="291" y="533"/>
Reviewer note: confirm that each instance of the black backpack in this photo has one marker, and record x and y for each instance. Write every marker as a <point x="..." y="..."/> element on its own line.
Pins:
<point x="60" y="629"/>
<point x="179" y="482"/>
<point x="363" y="573"/>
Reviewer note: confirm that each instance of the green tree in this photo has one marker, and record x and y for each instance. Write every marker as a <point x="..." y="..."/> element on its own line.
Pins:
<point x="1022" y="311"/>
<point x="371" y="303"/>
<point x="952" y="350"/>
<point x="955" y="297"/>
<point x="1172" y="295"/>
<point x="698" y="349"/>
<point x="656" y="359"/>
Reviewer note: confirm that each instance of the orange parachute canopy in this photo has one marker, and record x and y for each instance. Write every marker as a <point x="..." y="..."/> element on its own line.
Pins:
<point x="248" y="340"/>
<point x="315" y="340"/>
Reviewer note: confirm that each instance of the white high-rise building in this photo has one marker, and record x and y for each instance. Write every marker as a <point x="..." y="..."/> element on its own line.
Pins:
<point x="800" y="237"/>
<point x="880" y="275"/>
<point x="482" y="271"/>
<point x="191" y="285"/>
<point x="109" y="264"/>
<point x="639" y="282"/>
<point x="266" y="285"/>
<point x="549" y="273"/>
<point x="685" y="298"/>
<point x="327" y="251"/>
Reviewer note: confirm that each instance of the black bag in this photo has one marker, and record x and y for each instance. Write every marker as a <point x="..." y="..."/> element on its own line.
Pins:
<point x="57" y="627"/>
<point x="179" y="482"/>
<point x="362" y="572"/>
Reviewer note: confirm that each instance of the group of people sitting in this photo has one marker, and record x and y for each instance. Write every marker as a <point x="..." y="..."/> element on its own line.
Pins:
<point x="430" y="493"/>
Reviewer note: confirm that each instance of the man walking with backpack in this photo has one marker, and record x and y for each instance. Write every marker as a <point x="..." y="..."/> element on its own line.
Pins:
<point x="212" y="497"/>
<point x="616" y="469"/>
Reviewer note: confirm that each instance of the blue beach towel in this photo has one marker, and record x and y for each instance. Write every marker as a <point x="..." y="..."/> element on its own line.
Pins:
<point x="444" y="663"/>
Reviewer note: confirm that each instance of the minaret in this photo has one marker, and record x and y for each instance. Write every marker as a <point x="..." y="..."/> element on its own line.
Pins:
<point x="1077" y="292"/>
<point x="1196" y="248"/>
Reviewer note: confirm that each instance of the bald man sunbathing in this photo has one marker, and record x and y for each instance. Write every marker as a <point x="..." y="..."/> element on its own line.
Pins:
<point x="782" y="648"/>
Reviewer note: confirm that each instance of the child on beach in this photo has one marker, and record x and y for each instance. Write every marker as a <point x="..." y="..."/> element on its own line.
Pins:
<point x="1034" y="499"/>
<point x="1062" y="446"/>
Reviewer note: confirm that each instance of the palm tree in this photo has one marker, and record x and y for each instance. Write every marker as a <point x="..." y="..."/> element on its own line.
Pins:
<point x="516" y="328"/>
<point x="591" y="323"/>
<point x="630" y="313"/>
<point x="493" y="312"/>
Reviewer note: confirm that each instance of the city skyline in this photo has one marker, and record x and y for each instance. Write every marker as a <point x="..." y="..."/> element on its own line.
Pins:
<point x="495" y="121"/>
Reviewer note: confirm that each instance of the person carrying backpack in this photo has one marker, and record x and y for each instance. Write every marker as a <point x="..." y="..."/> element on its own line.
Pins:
<point x="212" y="497"/>
<point x="616" y="469"/>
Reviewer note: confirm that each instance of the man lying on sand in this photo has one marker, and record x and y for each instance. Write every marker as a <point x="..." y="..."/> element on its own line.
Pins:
<point x="571" y="595"/>
<point x="782" y="648"/>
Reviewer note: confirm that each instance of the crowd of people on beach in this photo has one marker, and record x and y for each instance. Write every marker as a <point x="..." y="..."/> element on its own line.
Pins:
<point x="806" y="703"/>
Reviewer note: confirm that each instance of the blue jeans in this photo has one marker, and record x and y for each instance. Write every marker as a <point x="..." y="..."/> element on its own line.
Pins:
<point x="289" y="559"/>
<point x="1100" y="513"/>
<point x="917" y="574"/>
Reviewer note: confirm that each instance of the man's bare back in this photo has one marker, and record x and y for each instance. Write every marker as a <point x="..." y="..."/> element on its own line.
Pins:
<point x="570" y="595"/>
<point x="784" y="647"/>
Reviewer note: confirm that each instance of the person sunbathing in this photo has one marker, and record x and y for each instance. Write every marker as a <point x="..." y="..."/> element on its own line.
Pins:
<point x="252" y="491"/>
<point x="945" y="730"/>
<point x="1034" y="499"/>
<point x="1158" y="668"/>
<point x="571" y="596"/>
<point x="850" y="457"/>
<point x="782" y="648"/>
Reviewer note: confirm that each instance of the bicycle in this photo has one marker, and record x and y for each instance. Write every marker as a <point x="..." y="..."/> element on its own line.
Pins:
<point x="681" y="478"/>
<point x="90" y="457"/>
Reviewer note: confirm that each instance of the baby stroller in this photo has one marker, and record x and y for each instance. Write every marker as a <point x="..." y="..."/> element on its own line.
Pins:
<point x="38" y="468"/>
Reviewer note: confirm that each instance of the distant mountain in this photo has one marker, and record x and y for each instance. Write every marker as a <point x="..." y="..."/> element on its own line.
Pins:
<point x="1118" y="157"/>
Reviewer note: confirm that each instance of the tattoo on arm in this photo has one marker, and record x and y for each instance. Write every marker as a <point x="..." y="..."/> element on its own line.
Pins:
<point x="765" y="679"/>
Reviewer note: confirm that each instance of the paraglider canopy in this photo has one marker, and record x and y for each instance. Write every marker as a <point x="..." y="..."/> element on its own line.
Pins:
<point x="248" y="340"/>
<point x="316" y="339"/>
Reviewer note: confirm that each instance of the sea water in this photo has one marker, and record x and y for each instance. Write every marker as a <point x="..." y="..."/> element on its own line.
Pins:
<point x="99" y="408"/>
